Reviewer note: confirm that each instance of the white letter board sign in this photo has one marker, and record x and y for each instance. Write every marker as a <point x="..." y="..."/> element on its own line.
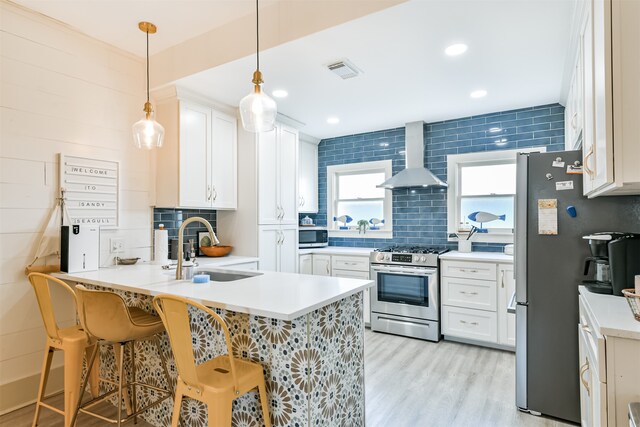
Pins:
<point x="91" y="189"/>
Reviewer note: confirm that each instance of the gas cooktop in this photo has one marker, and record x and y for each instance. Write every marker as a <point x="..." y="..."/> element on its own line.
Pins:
<point x="407" y="255"/>
<point x="412" y="250"/>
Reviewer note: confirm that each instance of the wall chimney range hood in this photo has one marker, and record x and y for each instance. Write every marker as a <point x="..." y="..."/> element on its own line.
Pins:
<point x="414" y="174"/>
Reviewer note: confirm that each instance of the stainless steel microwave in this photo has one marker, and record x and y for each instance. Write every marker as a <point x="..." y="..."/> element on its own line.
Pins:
<point x="313" y="237"/>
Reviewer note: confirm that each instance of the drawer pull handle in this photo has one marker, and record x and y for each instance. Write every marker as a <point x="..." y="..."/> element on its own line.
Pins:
<point x="583" y="370"/>
<point x="464" y="270"/>
<point x="468" y="293"/>
<point x="464" y="322"/>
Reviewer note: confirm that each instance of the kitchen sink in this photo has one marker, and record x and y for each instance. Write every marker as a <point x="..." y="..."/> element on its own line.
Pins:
<point x="219" y="276"/>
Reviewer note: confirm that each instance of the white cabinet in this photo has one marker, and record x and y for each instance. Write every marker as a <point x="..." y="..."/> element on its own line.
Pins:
<point x="197" y="167"/>
<point x="278" y="176"/>
<point x="475" y="296"/>
<point x="278" y="248"/>
<point x="574" y="110"/>
<point x="306" y="264"/>
<point x="322" y="265"/>
<point x="610" y="149"/>
<point x="308" y="177"/>
<point x="506" y="294"/>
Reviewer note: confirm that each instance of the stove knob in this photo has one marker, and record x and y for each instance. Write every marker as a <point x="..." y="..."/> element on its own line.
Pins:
<point x="387" y="258"/>
<point x="423" y="258"/>
<point x="416" y="258"/>
<point x="380" y="257"/>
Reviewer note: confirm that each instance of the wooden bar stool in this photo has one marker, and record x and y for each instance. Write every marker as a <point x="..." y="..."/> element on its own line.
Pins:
<point x="106" y="317"/>
<point x="216" y="382"/>
<point x="74" y="343"/>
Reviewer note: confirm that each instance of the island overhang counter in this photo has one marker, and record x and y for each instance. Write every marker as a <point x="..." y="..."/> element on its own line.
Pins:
<point x="306" y="331"/>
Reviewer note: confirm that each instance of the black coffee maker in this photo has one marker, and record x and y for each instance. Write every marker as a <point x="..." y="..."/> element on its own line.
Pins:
<point x="625" y="248"/>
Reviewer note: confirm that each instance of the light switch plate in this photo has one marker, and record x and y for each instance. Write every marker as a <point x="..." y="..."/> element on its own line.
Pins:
<point x="116" y="244"/>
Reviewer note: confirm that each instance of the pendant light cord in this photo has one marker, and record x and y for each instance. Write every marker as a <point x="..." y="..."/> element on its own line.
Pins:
<point x="147" y="64"/>
<point x="257" y="37"/>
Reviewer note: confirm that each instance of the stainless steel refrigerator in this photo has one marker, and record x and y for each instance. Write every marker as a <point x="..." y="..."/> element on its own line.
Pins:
<point x="548" y="270"/>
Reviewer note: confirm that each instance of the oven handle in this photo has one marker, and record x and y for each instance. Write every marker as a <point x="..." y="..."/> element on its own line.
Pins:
<point x="417" y="271"/>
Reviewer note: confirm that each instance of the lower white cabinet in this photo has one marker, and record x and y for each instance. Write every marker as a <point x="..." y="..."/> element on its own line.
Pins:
<point x="350" y="267"/>
<point x="475" y="298"/>
<point x="322" y="265"/>
<point x="278" y="248"/>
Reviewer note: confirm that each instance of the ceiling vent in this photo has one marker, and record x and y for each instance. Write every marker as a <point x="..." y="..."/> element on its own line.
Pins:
<point x="344" y="69"/>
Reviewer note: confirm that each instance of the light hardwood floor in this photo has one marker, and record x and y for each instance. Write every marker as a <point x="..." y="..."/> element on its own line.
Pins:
<point x="409" y="383"/>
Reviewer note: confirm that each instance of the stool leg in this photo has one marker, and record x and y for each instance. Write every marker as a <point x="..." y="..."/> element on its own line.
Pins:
<point x="44" y="377"/>
<point x="119" y="352"/>
<point x="219" y="412"/>
<point x="163" y="361"/>
<point x="262" y="389"/>
<point x="133" y="388"/>
<point x="120" y="375"/>
<point x="73" y="355"/>
<point x="94" y="379"/>
<point x="92" y="366"/>
<point x="177" y="406"/>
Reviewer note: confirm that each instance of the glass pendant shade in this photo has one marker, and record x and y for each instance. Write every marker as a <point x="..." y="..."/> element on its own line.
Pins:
<point x="147" y="133"/>
<point x="258" y="111"/>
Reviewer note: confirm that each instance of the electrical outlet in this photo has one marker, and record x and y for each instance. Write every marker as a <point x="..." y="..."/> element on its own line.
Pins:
<point x="117" y="245"/>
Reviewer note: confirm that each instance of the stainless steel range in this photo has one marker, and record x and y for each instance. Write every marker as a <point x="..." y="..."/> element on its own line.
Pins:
<point x="406" y="297"/>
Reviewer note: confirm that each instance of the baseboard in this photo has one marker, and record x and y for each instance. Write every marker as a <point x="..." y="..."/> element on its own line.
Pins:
<point x="23" y="392"/>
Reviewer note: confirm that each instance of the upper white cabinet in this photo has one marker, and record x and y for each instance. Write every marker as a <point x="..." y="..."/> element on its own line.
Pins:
<point x="278" y="176"/>
<point x="278" y="248"/>
<point x="197" y="166"/>
<point x="574" y="110"/>
<point x="308" y="176"/>
<point x="609" y="37"/>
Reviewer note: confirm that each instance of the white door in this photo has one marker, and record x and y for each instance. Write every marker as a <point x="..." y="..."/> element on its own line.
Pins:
<point x="268" y="206"/>
<point x="308" y="177"/>
<point x="195" y="142"/>
<point x="289" y="249"/>
<point x="224" y="161"/>
<point x="288" y="176"/>
<point x="306" y="264"/>
<point x="506" y="321"/>
<point x="322" y="265"/>
<point x="269" y="247"/>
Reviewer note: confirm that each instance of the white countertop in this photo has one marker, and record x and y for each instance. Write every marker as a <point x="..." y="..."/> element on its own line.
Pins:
<point x="283" y="296"/>
<point x="477" y="256"/>
<point x="611" y="314"/>
<point x="338" y="250"/>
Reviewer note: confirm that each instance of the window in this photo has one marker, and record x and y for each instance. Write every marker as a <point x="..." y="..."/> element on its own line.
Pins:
<point x="352" y="191"/>
<point x="483" y="182"/>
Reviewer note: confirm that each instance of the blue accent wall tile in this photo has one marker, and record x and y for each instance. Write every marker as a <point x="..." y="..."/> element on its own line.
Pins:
<point x="172" y="220"/>
<point x="420" y="215"/>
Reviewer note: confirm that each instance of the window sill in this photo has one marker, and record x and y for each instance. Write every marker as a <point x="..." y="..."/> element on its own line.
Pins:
<point x="354" y="234"/>
<point x="489" y="238"/>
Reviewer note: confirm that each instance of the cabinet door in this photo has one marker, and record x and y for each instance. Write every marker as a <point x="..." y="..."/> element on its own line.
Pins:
<point x="268" y="247"/>
<point x="506" y="321"/>
<point x="588" y="128"/>
<point x="288" y="175"/>
<point x="306" y="264"/>
<point x="268" y="206"/>
<point x="308" y="177"/>
<point x="289" y="249"/>
<point x="602" y="87"/>
<point x="322" y="265"/>
<point x="585" y="401"/>
<point x="195" y="159"/>
<point x="224" y="176"/>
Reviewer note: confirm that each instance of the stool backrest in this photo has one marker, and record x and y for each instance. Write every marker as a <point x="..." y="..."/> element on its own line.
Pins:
<point x="104" y="314"/>
<point x="174" y="312"/>
<point x="40" y="283"/>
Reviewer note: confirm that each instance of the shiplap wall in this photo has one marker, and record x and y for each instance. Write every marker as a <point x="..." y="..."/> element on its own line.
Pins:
<point x="61" y="92"/>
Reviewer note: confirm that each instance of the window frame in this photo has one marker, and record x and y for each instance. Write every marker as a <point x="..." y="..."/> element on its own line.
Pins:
<point x="333" y="171"/>
<point x="455" y="162"/>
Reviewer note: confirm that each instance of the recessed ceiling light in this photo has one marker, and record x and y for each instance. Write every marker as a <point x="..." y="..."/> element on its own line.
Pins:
<point x="280" y="93"/>
<point x="478" y="93"/>
<point x="456" y="49"/>
<point x="333" y="120"/>
<point x="495" y="130"/>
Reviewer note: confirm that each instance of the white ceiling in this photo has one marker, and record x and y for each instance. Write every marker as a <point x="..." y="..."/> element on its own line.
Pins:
<point x="517" y="51"/>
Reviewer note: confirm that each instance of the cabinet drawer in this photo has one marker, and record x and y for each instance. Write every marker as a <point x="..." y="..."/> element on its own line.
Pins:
<point x="594" y="341"/>
<point x="469" y="293"/>
<point x="473" y="324"/>
<point x="350" y="274"/>
<point x="350" y="263"/>
<point x="469" y="270"/>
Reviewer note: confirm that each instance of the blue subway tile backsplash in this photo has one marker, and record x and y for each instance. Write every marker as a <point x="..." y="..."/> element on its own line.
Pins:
<point x="420" y="215"/>
<point x="172" y="220"/>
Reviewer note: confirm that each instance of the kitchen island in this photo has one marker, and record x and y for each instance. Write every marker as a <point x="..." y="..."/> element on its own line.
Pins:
<point x="307" y="332"/>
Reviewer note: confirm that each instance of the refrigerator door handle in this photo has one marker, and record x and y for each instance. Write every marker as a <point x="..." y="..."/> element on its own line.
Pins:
<point x="521" y="357"/>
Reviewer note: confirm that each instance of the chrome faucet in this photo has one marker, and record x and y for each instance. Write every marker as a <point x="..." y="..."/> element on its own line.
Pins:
<point x="214" y="240"/>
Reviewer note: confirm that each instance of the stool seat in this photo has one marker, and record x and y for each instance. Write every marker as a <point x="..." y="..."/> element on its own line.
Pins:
<point x="75" y="334"/>
<point x="145" y="324"/>
<point x="215" y="375"/>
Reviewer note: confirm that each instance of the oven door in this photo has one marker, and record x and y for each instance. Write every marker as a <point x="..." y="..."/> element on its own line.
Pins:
<point x="405" y="291"/>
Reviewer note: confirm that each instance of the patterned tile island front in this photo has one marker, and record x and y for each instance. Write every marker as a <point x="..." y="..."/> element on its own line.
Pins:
<point x="314" y="363"/>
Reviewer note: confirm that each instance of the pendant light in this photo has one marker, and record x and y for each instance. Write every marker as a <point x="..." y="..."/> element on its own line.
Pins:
<point x="147" y="133"/>
<point x="258" y="110"/>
